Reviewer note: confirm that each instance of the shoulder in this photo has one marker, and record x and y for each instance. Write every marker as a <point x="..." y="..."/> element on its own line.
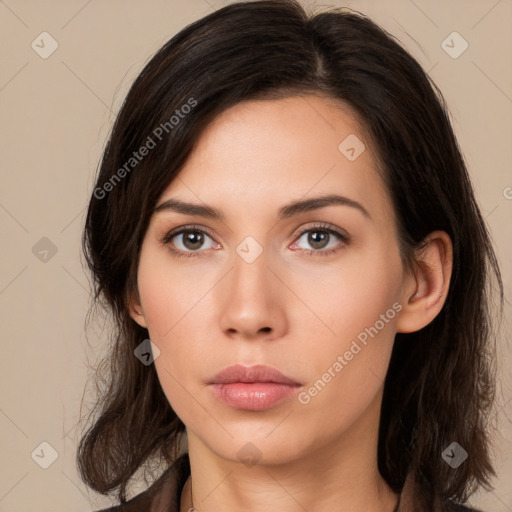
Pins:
<point x="456" y="507"/>
<point x="163" y="494"/>
<point x="136" y="504"/>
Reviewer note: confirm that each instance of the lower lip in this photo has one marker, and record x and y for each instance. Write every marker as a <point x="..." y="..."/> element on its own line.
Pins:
<point x="255" y="396"/>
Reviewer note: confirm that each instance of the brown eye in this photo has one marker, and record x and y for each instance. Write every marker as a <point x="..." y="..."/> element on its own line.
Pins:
<point x="321" y="240"/>
<point x="189" y="241"/>
<point x="318" y="239"/>
<point x="192" y="239"/>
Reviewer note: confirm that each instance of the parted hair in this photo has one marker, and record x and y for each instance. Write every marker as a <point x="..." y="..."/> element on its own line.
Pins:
<point x="440" y="386"/>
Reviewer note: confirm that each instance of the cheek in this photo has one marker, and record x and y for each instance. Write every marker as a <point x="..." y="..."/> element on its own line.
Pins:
<point x="175" y="303"/>
<point x="170" y="293"/>
<point x="169" y="307"/>
<point x="361" y="287"/>
<point x="359" y="304"/>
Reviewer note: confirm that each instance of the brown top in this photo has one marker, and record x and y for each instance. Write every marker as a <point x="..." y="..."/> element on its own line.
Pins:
<point x="164" y="494"/>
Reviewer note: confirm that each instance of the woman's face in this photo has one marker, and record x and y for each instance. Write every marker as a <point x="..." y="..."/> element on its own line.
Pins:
<point x="313" y="291"/>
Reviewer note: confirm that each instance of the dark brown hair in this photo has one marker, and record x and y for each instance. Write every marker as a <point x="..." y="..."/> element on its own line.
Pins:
<point x="441" y="381"/>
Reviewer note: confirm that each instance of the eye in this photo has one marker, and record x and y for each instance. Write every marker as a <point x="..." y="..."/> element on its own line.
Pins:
<point x="323" y="239"/>
<point x="188" y="241"/>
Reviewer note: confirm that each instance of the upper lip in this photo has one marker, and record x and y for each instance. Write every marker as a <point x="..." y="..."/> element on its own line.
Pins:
<point x="248" y="374"/>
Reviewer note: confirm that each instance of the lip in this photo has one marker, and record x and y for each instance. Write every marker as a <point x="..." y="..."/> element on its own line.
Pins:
<point x="253" y="388"/>
<point x="252" y="374"/>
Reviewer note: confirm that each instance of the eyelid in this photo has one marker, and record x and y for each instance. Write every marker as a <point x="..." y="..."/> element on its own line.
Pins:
<point x="169" y="235"/>
<point x="323" y="226"/>
<point x="344" y="239"/>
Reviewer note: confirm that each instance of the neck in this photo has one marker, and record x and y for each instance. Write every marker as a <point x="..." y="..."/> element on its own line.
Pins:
<point x="339" y="476"/>
<point x="289" y="499"/>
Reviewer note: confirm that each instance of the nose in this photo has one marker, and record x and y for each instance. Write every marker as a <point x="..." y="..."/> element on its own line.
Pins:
<point x="252" y="301"/>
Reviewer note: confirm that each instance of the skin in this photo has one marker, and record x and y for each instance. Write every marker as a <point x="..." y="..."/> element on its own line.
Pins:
<point x="291" y="309"/>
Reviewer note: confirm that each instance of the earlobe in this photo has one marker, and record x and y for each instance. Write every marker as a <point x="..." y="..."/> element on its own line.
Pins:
<point x="425" y="290"/>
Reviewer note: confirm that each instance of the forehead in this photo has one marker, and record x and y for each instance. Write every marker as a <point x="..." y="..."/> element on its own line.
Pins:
<point x="294" y="128"/>
<point x="261" y="153"/>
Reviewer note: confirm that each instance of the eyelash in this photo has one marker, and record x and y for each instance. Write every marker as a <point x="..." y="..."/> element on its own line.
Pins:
<point x="325" y="228"/>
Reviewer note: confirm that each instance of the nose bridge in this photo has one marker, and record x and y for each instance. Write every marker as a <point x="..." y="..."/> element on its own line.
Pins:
<point x="250" y="275"/>
<point x="250" y="302"/>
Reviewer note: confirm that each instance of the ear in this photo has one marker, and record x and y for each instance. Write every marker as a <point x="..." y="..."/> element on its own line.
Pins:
<point x="135" y="309"/>
<point x="425" y="289"/>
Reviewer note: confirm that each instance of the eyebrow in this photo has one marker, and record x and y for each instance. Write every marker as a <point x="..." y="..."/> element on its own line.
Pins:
<point x="288" y="210"/>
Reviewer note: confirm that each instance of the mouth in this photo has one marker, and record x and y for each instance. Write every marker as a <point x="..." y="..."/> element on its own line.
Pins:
<point x="252" y="388"/>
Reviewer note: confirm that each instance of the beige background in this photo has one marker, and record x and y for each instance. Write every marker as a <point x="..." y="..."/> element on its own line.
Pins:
<point x="56" y="114"/>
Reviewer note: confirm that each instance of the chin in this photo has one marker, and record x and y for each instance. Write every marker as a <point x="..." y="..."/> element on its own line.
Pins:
<point x="252" y="444"/>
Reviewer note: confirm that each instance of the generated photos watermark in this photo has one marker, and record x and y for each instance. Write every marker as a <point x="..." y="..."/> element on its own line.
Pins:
<point x="157" y="135"/>
<point x="341" y="361"/>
